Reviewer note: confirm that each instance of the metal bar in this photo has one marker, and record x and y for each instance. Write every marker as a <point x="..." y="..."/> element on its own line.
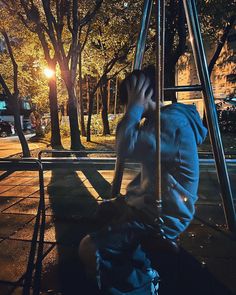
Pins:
<point x="19" y="165"/>
<point x="42" y="218"/>
<point x="138" y="60"/>
<point x="30" y="265"/>
<point x="51" y="164"/>
<point x="72" y="152"/>
<point x="162" y="40"/>
<point x="159" y="94"/>
<point x="211" y="115"/>
<point x="212" y="161"/>
<point x="141" y="43"/>
<point x="211" y="154"/>
<point x="184" y="88"/>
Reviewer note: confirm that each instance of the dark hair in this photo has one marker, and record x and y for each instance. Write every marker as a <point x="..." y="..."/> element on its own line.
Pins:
<point x="148" y="71"/>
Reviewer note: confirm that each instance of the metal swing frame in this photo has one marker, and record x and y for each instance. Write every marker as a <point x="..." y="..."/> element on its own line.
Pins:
<point x="206" y="88"/>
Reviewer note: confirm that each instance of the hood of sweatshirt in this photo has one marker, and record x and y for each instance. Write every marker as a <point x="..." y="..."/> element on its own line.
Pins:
<point x="194" y="119"/>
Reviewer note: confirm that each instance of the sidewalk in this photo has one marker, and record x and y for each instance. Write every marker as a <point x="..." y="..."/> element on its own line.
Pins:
<point x="205" y="265"/>
<point x="10" y="146"/>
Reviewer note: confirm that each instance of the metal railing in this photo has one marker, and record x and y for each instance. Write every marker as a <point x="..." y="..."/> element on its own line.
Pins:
<point x="32" y="278"/>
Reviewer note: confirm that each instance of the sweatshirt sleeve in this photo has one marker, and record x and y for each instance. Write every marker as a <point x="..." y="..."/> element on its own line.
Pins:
<point x="128" y="130"/>
<point x="131" y="137"/>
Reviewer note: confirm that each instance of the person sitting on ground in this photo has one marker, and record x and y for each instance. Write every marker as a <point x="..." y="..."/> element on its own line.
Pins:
<point x="117" y="254"/>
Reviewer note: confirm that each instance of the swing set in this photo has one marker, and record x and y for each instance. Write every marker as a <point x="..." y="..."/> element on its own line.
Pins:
<point x="204" y="86"/>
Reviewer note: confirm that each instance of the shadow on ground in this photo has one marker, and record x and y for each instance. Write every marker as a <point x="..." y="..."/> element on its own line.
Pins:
<point x="182" y="274"/>
<point x="73" y="197"/>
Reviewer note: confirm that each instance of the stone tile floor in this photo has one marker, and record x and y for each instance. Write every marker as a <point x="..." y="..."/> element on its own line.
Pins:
<point x="206" y="263"/>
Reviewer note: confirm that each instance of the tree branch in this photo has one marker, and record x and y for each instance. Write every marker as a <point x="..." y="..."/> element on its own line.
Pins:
<point x="86" y="37"/>
<point x="44" y="43"/>
<point x="117" y="72"/>
<point x="5" y="87"/>
<point x="89" y="16"/>
<point x="25" y="23"/>
<point x="221" y="43"/>
<point x="75" y="17"/>
<point x="50" y="20"/>
<point x="56" y="42"/>
<point x="69" y="54"/>
<point x="170" y="28"/>
<point x="181" y="29"/>
<point x="14" y="64"/>
<point x="68" y="16"/>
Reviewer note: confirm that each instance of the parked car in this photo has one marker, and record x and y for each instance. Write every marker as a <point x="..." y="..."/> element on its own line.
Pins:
<point x="231" y="100"/>
<point x="6" y="128"/>
<point x="227" y="116"/>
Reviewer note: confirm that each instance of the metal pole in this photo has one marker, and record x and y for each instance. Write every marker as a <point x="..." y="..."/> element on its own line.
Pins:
<point x="159" y="96"/>
<point x="41" y="212"/>
<point x="184" y="88"/>
<point x="141" y="43"/>
<point x="163" y="25"/>
<point x="138" y="60"/>
<point x="211" y="115"/>
<point x="38" y="230"/>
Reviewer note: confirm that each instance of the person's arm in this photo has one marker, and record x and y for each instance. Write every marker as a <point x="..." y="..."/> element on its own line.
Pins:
<point x="128" y="129"/>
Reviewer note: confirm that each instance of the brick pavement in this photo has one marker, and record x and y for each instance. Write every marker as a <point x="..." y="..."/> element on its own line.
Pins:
<point x="206" y="262"/>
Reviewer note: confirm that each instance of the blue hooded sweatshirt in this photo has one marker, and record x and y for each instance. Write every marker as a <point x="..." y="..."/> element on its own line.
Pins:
<point x="181" y="131"/>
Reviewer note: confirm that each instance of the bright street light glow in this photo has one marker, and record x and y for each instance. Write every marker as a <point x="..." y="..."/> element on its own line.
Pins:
<point x="48" y="73"/>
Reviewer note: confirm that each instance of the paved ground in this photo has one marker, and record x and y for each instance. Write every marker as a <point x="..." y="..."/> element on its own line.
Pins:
<point x="10" y="145"/>
<point x="205" y="264"/>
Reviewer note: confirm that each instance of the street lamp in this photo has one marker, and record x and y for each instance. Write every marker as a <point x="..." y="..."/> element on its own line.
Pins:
<point x="49" y="73"/>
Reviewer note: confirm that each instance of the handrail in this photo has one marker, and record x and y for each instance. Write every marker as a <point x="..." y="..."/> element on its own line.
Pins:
<point x="60" y="163"/>
<point x="47" y="151"/>
<point x="183" y="88"/>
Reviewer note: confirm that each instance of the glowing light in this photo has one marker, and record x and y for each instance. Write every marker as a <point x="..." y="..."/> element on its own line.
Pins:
<point x="48" y="73"/>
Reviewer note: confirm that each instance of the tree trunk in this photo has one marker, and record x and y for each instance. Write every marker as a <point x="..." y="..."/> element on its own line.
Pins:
<point x="73" y="119"/>
<point x="108" y="96"/>
<point x="98" y="94"/>
<point x="97" y="97"/>
<point x="81" y="105"/>
<point x="116" y="94"/>
<point x="221" y="43"/>
<point x="53" y="103"/>
<point x="106" y="128"/>
<point x="90" y="112"/>
<point x="87" y="93"/>
<point x="170" y="81"/>
<point x="17" y="123"/>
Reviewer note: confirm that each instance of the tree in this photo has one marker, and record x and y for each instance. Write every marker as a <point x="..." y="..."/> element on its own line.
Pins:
<point x="83" y="38"/>
<point x="57" y="25"/>
<point x="66" y="13"/>
<point x="109" y="50"/>
<point x="213" y="14"/>
<point x="29" y="18"/>
<point x="221" y="42"/>
<point x="175" y="42"/>
<point x="13" y="96"/>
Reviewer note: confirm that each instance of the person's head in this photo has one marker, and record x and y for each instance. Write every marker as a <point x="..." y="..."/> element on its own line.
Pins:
<point x="149" y="72"/>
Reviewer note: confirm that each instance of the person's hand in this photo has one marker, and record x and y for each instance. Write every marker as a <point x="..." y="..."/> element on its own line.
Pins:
<point x="138" y="92"/>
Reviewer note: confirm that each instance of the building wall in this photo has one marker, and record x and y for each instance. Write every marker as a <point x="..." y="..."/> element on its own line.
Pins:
<point x="223" y="77"/>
